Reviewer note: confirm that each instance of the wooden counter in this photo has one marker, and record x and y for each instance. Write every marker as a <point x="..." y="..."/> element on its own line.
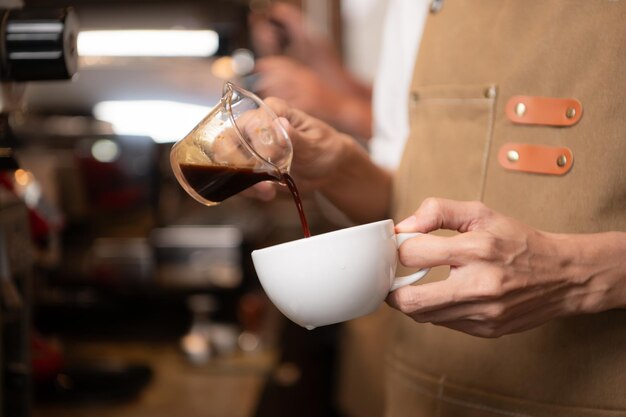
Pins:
<point x="226" y="387"/>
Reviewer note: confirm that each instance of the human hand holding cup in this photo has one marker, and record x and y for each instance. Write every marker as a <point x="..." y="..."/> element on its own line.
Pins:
<point x="333" y="277"/>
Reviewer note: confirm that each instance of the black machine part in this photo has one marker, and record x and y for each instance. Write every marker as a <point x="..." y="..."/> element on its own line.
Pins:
<point x="38" y="44"/>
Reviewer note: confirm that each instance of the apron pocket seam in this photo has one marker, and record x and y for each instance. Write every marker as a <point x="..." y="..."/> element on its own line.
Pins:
<point x="410" y="377"/>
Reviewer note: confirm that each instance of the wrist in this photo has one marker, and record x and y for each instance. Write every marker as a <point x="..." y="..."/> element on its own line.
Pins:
<point x="357" y="186"/>
<point x="341" y="169"/>
<point x="597" y="264"/>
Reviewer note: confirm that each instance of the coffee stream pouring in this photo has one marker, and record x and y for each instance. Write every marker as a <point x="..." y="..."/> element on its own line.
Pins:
<point x="239" y="143"/>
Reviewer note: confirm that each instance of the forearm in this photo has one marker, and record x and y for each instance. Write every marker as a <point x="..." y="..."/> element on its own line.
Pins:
<point x="358" y="187"/>
<point x="331" y="68"/>
<point x="353" y="85"/>
<point x="350" y="114"/>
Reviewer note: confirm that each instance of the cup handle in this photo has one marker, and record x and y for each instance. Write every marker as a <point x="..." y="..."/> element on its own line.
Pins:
<point x="400" y="282"/>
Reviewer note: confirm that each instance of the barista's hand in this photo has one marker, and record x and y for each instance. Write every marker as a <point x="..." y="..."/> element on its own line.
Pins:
<point x="282" y="29"/>
<point x="276" y="28"/>
<point x="303" y="88"/>
<point x="317" y="147"/>
<point x="334" y="164"/>
<point x="506" y="277"/>
<point x="289" y="80"/>
<point x="317" y="151"/>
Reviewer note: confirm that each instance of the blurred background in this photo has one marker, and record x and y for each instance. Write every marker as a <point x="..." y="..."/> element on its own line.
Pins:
<point x="121" y="295"/>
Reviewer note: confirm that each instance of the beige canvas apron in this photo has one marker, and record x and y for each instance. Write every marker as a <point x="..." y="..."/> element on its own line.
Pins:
<point x="475" y="56"/>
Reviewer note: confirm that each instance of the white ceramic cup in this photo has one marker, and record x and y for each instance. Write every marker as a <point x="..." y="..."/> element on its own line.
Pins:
<point x="333" y="277"/>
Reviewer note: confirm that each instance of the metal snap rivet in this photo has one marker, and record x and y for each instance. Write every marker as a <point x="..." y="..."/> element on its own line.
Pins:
<point x="570" y="113"/>
<point x="512" y="155"/>
<point x="415" y="96"/>
<point x="520" y="109"/>
<point x="490" y="92"/>
<point x="561" y="160"/>
<point x="435" y="5"/>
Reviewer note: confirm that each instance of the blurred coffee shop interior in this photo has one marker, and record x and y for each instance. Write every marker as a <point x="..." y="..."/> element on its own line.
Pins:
<point x="121" y="295"/>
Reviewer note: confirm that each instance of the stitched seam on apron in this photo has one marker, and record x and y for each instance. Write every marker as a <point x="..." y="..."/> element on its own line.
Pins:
<point x="456" y="100"/>
<point x="487" y="149"/>
<point x="489" y="134"/>
<point x="441" y="396"/>
<point x="484" y="407"/>
<point x="407" y="374"/>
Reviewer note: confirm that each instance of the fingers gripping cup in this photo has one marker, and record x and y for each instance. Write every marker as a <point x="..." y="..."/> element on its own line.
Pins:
<point x="333" y="277"/>
<point x="239" y="143"/>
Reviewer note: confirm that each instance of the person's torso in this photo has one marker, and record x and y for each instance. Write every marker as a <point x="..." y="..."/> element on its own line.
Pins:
<point x="477" y="61"/>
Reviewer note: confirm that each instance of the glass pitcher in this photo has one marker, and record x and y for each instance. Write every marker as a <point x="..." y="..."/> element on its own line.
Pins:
<point x="238" y="144"/>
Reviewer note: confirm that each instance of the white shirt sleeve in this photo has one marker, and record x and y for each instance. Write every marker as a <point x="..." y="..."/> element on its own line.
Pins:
<point x="404" y="24"/>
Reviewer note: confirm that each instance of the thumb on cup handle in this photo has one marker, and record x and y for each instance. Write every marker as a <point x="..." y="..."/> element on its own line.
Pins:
<point x="400" y="282"/>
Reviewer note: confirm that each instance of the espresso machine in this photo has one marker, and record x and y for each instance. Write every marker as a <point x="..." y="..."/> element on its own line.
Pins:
<point x="35" y="44"/>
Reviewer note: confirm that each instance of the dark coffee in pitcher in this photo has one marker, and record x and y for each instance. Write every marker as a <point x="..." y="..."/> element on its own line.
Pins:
<point x="218" y="182"/>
